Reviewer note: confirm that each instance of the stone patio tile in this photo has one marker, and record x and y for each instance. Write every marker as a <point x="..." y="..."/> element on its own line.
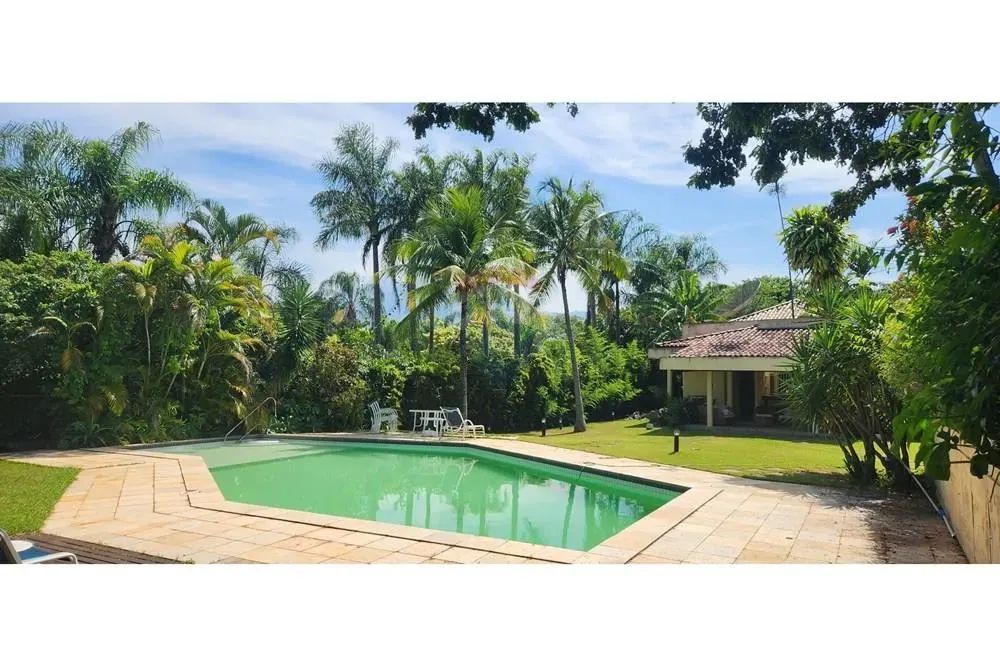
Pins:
<point x="755" y="556"/>
<point x="426" y="549"/>
<point x="359" y="539"/>
<point x="557" y="554"/>
<point x="239" y="532"/>
<point x="480" y="542"/>
<point x="270" y="554"/>
<point x="235" y="548"/>
<point x="596" y="559"/>
<point x="668" y="550"/>
<point x="179" y="538"/>
<point x="332" y="549"/>
<point x="209" y="542"/>
<point x="328" y="533"/>
<point x="364" y="555"/>
<point x="498" y="559"/>
<point x="646" y="558"/>
<point x="299" y="543"/>
<point x="720" y="547"/>
<point x="707" y="559"/>
<point x="831" y="546"/>
<point x="460" y="555"/>
<point x="121" y="541"/>
<point x="199" y="526"/>
<point x="150" y="533"/>
<point x="264" y="538"/>
<point x="602" y="550"/>
<point x="812" y="555"/>
<point x="401" y="558"/>
<point x="391" y="544"/>
<point x="517" y="548"/>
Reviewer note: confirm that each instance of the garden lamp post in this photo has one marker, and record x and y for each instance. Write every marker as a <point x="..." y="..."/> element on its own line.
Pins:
<point x="677" y="440"/>
<point x="543" y="427"/>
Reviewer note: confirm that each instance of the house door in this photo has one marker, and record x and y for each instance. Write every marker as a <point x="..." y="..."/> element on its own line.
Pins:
<point x="743" y="394"/>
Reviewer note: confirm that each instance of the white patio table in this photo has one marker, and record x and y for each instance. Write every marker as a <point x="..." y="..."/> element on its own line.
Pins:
<point x="424" y="416"/>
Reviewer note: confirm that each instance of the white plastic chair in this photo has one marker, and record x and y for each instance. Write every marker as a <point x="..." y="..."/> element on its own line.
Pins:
<point x="380" y="414"/>
<point x="455" y="423"/>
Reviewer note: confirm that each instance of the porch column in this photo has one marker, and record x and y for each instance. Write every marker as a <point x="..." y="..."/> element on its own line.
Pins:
<point x="670" y="384"/>
<point x="729" y="388"/>
<point x="708" y="399"/>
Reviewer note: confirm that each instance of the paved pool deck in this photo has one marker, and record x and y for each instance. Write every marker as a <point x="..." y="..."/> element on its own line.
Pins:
<point x="168" y="505"/>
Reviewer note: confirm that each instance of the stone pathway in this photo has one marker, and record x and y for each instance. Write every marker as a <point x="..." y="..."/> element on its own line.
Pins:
<point x="168" y="505"/>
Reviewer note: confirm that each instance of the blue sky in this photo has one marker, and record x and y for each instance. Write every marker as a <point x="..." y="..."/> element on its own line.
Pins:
<point x="260" y="157"/>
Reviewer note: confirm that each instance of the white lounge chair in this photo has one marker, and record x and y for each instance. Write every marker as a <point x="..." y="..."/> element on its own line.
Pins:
<point x="380" y="415"/>
<point x="11" y="556"/>
<point x="456" y="424"/>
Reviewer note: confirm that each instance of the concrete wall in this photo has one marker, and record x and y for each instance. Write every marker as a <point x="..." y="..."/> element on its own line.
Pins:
<point x="696" y="384"/>
<point x="974" y="516"/>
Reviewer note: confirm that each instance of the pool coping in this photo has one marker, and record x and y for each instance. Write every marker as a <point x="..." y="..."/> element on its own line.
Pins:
<point x="203" y="493"/>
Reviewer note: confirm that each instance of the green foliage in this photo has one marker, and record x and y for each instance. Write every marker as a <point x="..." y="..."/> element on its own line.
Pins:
<point x="942" y="156"/>
<point x="816" y="243"/>
<point x="327" y="391"/>
<point x="476" y="117"/>
<point x="836" y="382"/>
<point x="57" y="190"/>
<point x="98" y="353"/>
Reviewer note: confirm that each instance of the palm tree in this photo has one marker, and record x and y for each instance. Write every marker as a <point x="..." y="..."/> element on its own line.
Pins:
<point x="563" y="230"/>
<point x="501" y="177"/>
<point x="685" y="301"/>
<point x="36" y="198"/>
<point x="300" y="315"/>
<point x="816" y="243"/>
<point x="115" y="189"/>
<point x="417" y="183"/>
<point x="627" y="234"/>
<point x="347" y="297"/>
<point x="461" y="253"/>
<point x="660" y="262"/>
<point x="225" y="236"/>
<point x="362" y="200"/>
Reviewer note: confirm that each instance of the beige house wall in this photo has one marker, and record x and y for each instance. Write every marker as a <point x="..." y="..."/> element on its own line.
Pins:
<point x="696" y="384"/>
<point x="974" y="511"/>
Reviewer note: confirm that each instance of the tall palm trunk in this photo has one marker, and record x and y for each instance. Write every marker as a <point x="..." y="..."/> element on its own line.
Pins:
<point x="579" y="425"/>
<point x="377" y="310"/>
<point x="463" y="355"/>
<point x="103" y="237"/>
<point x="430" y="334"/>
<point x="517" y="325"/>
<point x="411" y="284"/>
<point x="618" y="313"/>
<point x="591" y="318"/>
<point x="486" y="328"/>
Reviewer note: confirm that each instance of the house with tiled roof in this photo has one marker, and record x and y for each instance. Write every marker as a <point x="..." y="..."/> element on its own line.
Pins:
<point x="732" y="370"/>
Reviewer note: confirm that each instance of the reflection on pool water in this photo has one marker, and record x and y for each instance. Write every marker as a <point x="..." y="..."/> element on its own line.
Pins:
<point x="440" y="487"/>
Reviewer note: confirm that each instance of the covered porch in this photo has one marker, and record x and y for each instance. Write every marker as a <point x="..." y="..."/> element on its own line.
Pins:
<point x="728" y="391"/>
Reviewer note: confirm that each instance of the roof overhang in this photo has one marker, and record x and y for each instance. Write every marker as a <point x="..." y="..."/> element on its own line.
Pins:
<point x="674" y="363"/>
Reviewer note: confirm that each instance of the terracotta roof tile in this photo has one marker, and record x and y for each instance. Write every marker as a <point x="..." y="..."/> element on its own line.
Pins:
<point x="746" y="342"/>
<point x="782" y="311"/>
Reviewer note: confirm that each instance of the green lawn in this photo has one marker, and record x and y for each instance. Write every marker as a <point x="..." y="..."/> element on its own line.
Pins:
<point x="28" y="493"/>
<point x="776" y="459"/>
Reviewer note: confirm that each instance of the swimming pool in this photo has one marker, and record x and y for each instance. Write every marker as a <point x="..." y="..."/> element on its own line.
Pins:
<point x="442" y="487"/>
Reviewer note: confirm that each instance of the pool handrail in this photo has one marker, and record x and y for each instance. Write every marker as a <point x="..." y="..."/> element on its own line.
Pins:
<point x="247" y="416"/>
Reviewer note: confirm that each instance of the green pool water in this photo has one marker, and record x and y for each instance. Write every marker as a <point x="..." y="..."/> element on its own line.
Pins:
<point x="441" y="487"/>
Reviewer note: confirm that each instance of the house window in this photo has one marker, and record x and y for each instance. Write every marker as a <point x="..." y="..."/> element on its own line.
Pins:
<point x="773" y="383"/>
